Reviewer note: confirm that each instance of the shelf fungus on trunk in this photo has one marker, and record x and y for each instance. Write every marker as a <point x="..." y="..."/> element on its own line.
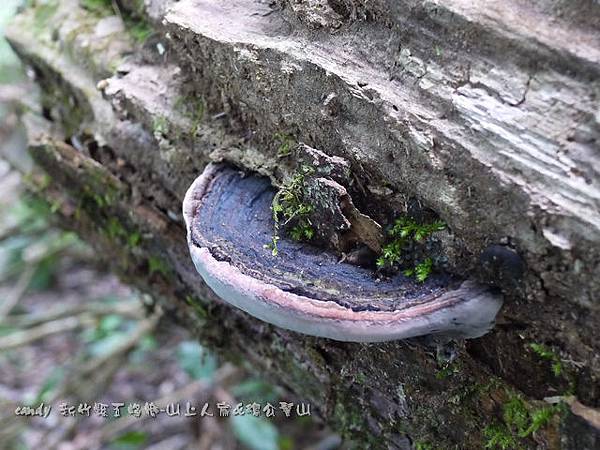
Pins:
<point x="307" y="289"/>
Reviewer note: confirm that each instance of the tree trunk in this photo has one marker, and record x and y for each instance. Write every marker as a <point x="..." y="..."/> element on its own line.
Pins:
<point x="486" y="113"/>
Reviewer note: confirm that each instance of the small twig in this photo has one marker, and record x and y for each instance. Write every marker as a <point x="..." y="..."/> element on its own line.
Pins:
<point x="37" y="259"/>
<point x="12" y="93"/>
<point x="83" y="371"/>
<point x="329" y="442"/>
<point x="209" y="433"/>
<point x="113" y="429"/>
<point x="98" y="371"/>
<point x="265" y="14"/>
<point x="131" y="309"/>
<point x="30" y="335"/>
<point x="12" y="231"/>
<point x="578" y="364"/>
<point x="116" y="9"/>
<point x="177" y="442"/>
<point x="17" y="292"/>
<point x="142" y="329"/>
<point x="591" y="415"/>
<point x="11" y="428"/>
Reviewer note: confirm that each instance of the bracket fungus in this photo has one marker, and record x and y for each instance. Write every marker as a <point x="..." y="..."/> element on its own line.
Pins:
<point x="307" y="289"/>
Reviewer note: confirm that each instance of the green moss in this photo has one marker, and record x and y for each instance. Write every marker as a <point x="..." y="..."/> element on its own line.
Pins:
<point x="160" y="126"/>
<point x="114" y="229"/>
<point x="100" y="8"/>
<point x="56" y="204"/>
<point x="286" y="143"/>
<point x="419" y="445"/>
<point x="43" y="13"/>
<point x="447" y="371"/>
<point x="302" y="232"/>
<point x="406" y="227"/>
<point x="103" y="184"/>
<point x="94" y="197"/>
<point x="193" y="108"/>
<point x="350" y="419"/>
<point x="135" y="24"/>
<point x="515" y="414"/>
<point x="273" y="245"/>
<point x="196" y="304"/>
<point x="407" y="231"/>
<point x="541" y="417"/>
<point x="497" y="436"/>
<point x="91" y="198"/>
<point x="545" y="353"/>
<point x="44" y="181"/>
<point x="133" y="240"/>
<point x="361" y="378"/>
<point x="423" y="269"/>
<point x="138" y="29"/>
<point x="139" y="7"/>
<point x="519" y="422"/>
<point x="315" y="355"/>
<point x="391" y="254"/>
<point x="289" y="207"/>
<point x="157" y="265"/>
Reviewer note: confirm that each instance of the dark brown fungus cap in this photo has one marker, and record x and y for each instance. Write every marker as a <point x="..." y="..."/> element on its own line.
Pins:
<point x="306" y="289"/>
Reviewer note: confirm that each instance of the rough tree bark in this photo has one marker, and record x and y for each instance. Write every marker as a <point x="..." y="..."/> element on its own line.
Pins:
<point x="485" y="112"/>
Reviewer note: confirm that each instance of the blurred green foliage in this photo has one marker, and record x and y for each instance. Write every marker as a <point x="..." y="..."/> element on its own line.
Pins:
<point x="130" y="440"/>
<point x="251" y="389"/>
<point x="26" y="241"/>
<point x="10" y="68"/>
<point x="255" y="433"/>
<point x="110" y="331"/>
<point x="196" y="361"/>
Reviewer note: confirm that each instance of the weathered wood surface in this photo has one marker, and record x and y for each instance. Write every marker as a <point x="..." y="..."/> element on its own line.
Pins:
<point x="485" y="112"/>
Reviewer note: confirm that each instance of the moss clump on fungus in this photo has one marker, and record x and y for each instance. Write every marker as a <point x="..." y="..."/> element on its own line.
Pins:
<point x="404" y="234"/>
<point x="421" y="271"/>
<point x="291" y="210"/>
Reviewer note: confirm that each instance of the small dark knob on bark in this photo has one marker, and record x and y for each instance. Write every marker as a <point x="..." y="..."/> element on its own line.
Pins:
<point x="502" y="267"/>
